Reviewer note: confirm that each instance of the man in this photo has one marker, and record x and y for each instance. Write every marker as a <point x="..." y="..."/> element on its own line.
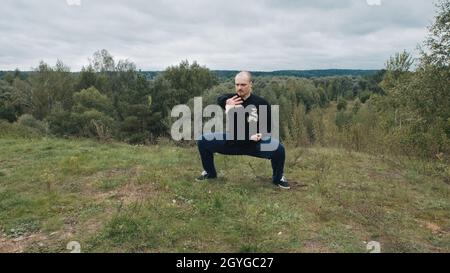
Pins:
<point x="232" y="143"/>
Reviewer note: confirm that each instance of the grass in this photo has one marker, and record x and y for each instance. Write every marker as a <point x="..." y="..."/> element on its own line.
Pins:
<point x="122" y="198"/>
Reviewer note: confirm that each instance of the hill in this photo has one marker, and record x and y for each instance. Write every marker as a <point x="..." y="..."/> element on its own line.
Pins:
<point x="115" y="197"/>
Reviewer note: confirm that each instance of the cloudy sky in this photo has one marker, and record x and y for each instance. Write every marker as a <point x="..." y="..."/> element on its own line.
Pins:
<point x="259" y="35"/>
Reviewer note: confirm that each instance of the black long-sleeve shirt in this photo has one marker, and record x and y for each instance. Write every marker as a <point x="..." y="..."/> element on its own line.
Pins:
<point x="252" y="116"/>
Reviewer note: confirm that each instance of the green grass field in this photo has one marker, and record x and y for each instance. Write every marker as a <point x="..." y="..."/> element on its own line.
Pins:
<point x="114" y="197"/>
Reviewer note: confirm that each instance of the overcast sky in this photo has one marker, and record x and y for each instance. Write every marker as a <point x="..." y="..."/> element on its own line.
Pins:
<point x="259" y="35"/>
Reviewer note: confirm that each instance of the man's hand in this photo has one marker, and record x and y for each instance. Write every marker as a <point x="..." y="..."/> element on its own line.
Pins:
<point x="236" y="100"/>
<point x="256" y="137"/>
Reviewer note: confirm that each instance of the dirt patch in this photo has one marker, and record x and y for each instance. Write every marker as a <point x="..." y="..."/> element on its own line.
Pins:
<point x="19" y="244"/>
<point x="313" y="246"/>
<point x="131" y="193"/>
<point x="434" y="228"/>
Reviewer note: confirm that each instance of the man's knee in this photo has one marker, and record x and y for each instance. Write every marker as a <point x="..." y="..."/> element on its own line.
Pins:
<point x="201" y="142"/>
<point x="280" y="151"/>
<point x="281" y="148"/>
<point x="209" y="140"/>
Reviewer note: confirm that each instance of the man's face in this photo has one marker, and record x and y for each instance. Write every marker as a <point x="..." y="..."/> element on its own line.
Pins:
<point x="243" y="85"/>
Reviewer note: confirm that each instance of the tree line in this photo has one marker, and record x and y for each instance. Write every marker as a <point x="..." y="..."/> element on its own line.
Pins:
<point x="402" y="108"/>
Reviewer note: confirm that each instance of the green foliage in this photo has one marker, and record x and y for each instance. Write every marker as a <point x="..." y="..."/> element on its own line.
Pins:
<point x="29" y="121"/>
<point x="88" y="78"/>
<point x="229" y="74"/>
<point x="15" y="129"/>
<point x="356" y="106"/>
<point x="394" y="109"/>
<point x="93" y="123"/>
<point x="89" y="116"/>
<point x="61" y="123"/>
<point x="91" y="98"/>
<point x="178" y="84"/>
<point x="48" y="88"/>
<point x="399" y="63"/>
<point x="342" y="119"/>
<point x="438" y="40"/>
<point x="341" y="104"/>
<point x="7" y="110"/>
<point x="416" y="108"/>
<point x="364" y="96"/>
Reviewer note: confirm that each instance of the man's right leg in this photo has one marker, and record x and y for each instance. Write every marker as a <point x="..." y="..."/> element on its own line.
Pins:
<point x="207" y="146"/>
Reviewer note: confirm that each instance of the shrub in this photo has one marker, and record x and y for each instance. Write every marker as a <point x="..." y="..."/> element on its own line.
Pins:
<point x="29" y="121"/>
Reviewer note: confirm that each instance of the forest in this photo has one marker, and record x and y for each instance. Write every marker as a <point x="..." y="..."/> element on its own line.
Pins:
<point x="403" y="108"/>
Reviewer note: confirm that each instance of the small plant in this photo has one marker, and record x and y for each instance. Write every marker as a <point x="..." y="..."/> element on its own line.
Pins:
<point x="49" y="179"/>
<point x="22" y="228"/>
<point x="102" y="131"/>
<point x="322" y="167"/>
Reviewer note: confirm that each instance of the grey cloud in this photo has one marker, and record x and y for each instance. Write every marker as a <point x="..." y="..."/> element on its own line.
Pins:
<point x="255" y="35"/>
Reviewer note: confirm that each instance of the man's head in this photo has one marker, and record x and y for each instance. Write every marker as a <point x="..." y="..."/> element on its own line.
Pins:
<point x="243" y="84"/>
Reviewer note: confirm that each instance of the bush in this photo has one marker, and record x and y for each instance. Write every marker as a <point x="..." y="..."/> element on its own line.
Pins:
<point x="8" y="129"/>
<point x="138" y="138"/>
<point x="61" y="123"/>
<point x="29" y="121"/>
<point x="8" y="113"/>
<point x="364" y="96"/>
<point x="91" y="98"/>
<point x="341" y="104"/>
<point x="130" y="124"/>
<point x="342" y="119"/>
<point x="93" y="123"/>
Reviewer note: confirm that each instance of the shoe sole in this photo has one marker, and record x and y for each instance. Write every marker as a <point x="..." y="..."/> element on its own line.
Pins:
<point x="200" y="180"/>
<point x="284" y="187"/>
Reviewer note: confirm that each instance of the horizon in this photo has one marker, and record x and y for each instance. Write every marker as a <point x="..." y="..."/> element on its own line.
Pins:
<point x="225" y="70"/>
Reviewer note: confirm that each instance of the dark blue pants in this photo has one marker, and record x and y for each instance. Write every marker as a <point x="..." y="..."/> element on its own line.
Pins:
<point x="208" y="147"/>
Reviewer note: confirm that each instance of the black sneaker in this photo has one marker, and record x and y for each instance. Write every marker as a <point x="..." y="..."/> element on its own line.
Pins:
<point x="283" y="183"/>
<point x="204" y="176"/>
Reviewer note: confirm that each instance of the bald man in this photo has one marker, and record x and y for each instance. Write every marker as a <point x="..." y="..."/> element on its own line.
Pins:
<point x="230" y="143"/>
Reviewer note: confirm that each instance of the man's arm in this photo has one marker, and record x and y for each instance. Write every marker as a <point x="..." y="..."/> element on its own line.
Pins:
<point x="268" y="131"/>
<point x="264" y="128"/>
<point x="222" y="100"/>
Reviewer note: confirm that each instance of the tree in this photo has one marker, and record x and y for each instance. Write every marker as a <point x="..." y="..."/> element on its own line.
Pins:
<point x="90" y="114"/>
<point x="91" y="98"/>
<point x="177" y="85"/>
<point x="188" y="80"/>
<point x="419" y="102"/>
<point x="400" y="63"/>
<point x="438" y="40"/>
<point x="341" y="104"/>
<point x="49" y="87"/>
<point x="7" y="110"/>
<point x="102" y="61"/>
<point x="87" y="78"/>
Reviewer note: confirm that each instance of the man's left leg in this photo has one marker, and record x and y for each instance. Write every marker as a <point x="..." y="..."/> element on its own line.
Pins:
<point x="272" y="149"/>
